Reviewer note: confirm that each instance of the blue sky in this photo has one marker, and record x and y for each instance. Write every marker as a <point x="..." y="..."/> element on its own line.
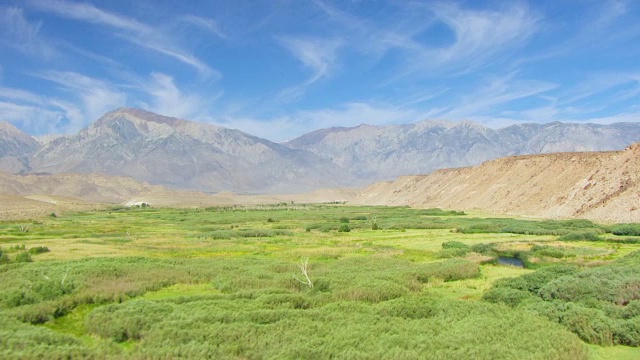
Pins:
<point x="280" y="68"/>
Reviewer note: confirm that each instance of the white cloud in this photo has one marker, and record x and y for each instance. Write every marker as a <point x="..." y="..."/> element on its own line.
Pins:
<point x="167" y="99"/>
<point x="204" y="23"/>
<point x="480" y="36"/>
<point x="20" y="95"/>
<point x="319" y="55"/>
<point x="131" y="30"/>
<point x="500" y="91"/>
<point x="301" y="122"/>
<point x="38" y="114"/>
<point x="21" y="34"/>
<point x="96" y="96"/>
<point x="36" y="120"/>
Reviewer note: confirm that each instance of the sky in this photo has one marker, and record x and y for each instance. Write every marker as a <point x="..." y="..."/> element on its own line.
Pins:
<point x="280" y="68"/>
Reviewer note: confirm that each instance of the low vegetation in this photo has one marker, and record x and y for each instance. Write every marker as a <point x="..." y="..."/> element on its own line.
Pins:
<point x="290" y="281"/>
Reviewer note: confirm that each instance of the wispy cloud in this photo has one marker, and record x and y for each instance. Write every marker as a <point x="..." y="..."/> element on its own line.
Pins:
<point x="132" y="30"/>
<point x="20" y="95"/>
<point x="480" y="35"/>
<point x="36" y="120"/>
<point x="168" y="99"/>
<point x="96" y="96"/>
<point x="350" y="114"/>
<point x="204" y="23"/>
<point x="319" y="55"/>
<point x="487" y="99"/>
<point x="18" y="32"/>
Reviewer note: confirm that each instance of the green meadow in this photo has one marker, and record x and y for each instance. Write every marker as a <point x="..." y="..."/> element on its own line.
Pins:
<point x="295" y="281"/>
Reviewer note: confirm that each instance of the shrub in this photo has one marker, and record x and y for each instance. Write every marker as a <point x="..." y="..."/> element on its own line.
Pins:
<point x="534" y="281"/>
<point x="127" y="321"/>
<point x="626" y="229"/>
<point x="455" y="245"/>
<point x="484" y="249"/>
<point x="548" y="251"/>
<point x="344" y="220"/>
<point x="4" y="258"/>
<point x="344" y="228"/>
<point x="507" y="296"/>
<point x="38" y="250"/>
<point x="449" y="270"/>
<point x="453" y="249"/>
<point x="23" y="257"/>
<point x="580" y="235"/>
<point x="452" y="253"/>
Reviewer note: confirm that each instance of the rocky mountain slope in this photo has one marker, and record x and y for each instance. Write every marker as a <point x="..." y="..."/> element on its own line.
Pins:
<point x="195" y="156"/>
<point x="15" y="148"/>
<point x="187" y="155"/>
<point x="603" y="186"/>
<point x="385" y="152"/>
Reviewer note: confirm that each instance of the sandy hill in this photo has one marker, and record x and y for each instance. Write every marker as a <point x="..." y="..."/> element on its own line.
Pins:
<point x="603" y="186"/>
<point x="96" y="188"/>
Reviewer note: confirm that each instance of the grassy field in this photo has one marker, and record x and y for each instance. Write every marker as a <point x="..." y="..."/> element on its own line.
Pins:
<point x="316" y="281"/>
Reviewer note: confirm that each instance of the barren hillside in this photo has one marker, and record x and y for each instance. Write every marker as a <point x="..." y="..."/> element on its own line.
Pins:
<point x="602" y="186"/>
<point x="88" y="187"/>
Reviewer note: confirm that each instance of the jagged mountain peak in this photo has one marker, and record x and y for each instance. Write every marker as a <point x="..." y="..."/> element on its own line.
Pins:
<point x="9" y="128"/>
<point x="137" y="116"/>
<point x="185" y="154"/>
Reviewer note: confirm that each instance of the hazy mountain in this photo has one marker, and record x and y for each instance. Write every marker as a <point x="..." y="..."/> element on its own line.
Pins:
<point x="385" y="152"/>
<point x="15" y="148"/>
<point x="184" y="154"/>
<point x="196" y="156"/>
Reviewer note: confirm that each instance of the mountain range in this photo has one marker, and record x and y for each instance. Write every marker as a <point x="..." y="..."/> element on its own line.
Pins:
<point x="196" y="156"/>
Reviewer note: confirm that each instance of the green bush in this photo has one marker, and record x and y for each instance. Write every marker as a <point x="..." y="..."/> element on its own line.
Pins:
<point x="484" y="249"/>
<point x="4" y="258"/>
<point x="507" y="296"/>
<point x="455" y="245"/>
<point x="128" y="321"/>
<point x="344" y="228"/>
<point x="626" y="229"/>
<point x="23" y="257"/>
<point x="452" y="253"/>
<point x="38" y="250"/>
<point x="548" y="251"/>
<point x="449" y="270"/>
<point x="580" y="236"/>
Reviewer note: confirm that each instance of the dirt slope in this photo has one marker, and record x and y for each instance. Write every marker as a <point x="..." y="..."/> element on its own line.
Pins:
<point x="88" y="187"/>
<point x="602" y="186"/>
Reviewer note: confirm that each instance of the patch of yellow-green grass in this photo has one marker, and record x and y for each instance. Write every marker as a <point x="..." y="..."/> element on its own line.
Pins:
<point x="180" y="290"/>
<point x="73" y="322"/>
<point x="472" y="289"/>
<point x="432" y="239"/>
<point x="614" y="352"/>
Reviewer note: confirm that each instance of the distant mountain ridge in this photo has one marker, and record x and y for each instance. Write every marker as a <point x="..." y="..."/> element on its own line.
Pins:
<point x="16" y="148"/>
<point x="385" y="152"/>
<point x="184" y="154"/>
<point x="196" y="156"/>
